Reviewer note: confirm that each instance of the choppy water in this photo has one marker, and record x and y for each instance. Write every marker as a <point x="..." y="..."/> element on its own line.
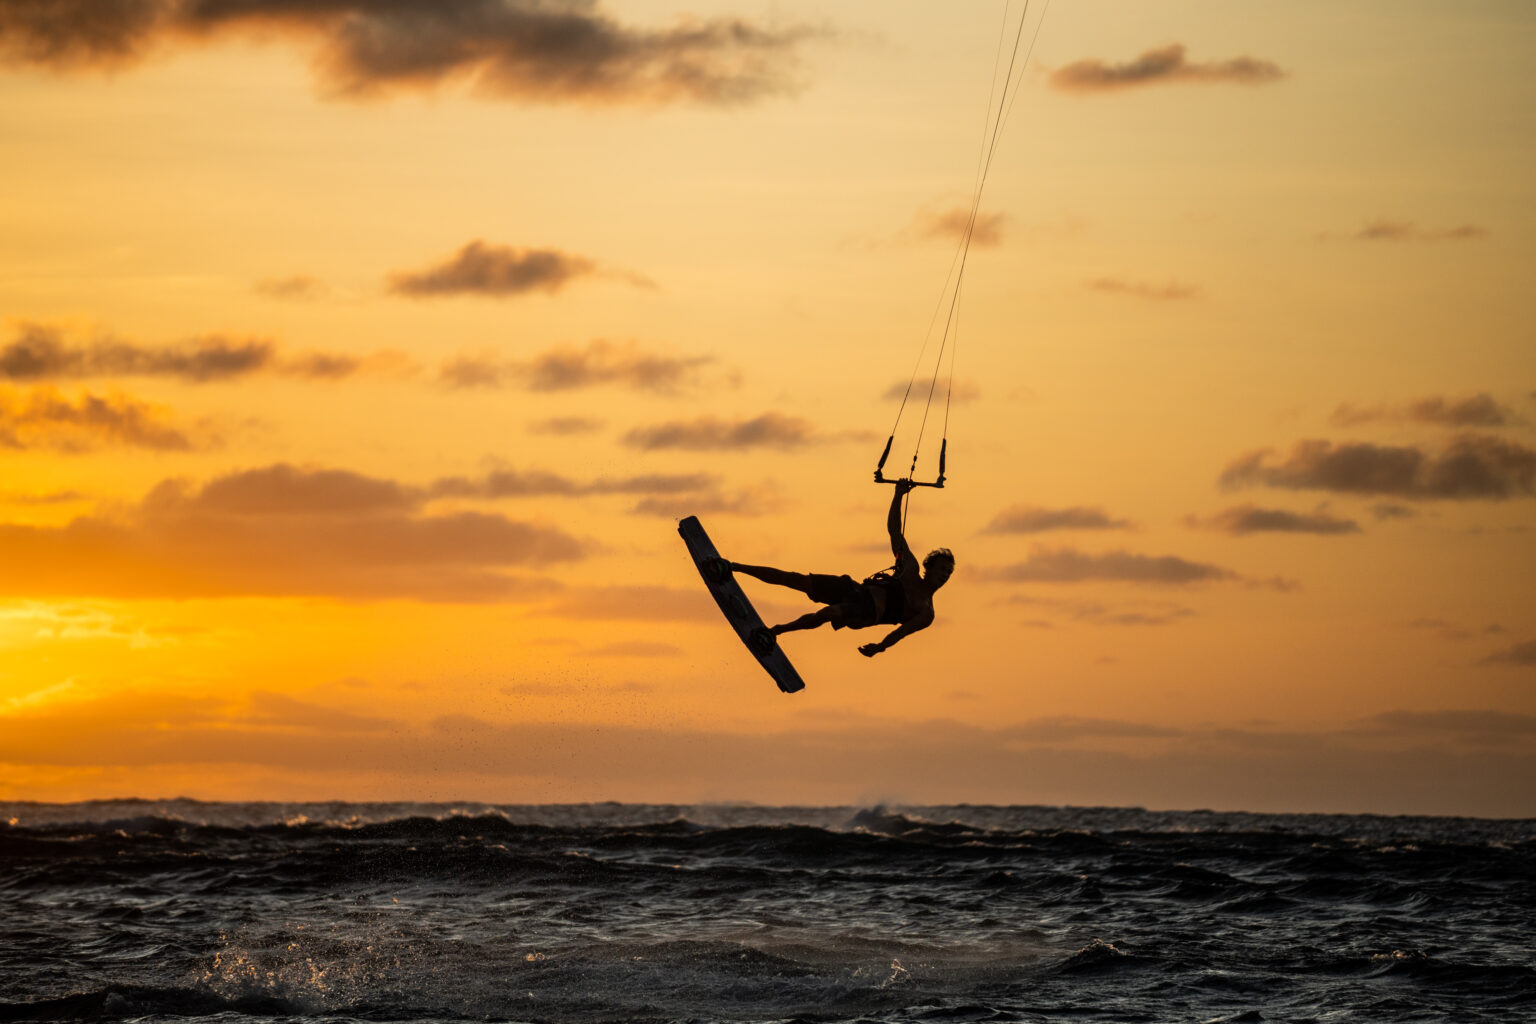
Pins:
<point x="244" y="912"/>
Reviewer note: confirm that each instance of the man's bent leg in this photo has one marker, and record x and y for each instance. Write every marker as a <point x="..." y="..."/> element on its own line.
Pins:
<point x="810" y="620"/>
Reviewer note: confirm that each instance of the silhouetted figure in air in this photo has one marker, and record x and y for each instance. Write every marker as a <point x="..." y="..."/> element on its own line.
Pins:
<point x="901" y="596"/>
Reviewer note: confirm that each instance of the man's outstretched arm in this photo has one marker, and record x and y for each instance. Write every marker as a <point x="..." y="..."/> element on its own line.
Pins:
<point x="899" y="546"/>
<point x="905" y="629"/>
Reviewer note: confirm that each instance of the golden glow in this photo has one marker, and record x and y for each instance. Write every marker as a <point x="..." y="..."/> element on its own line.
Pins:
<point x="486" y="597"/>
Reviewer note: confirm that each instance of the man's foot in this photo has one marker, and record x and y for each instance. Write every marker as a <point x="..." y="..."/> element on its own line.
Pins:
<point x="717" y="569"/>
<point x="763" y="640"/>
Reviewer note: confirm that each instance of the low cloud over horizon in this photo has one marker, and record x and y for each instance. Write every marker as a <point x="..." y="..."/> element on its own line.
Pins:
<point x="1173" y="291"/>
<point x="1375" y="763"/>
<point x="1161" y="65"/>
<point x="541" y="51"/>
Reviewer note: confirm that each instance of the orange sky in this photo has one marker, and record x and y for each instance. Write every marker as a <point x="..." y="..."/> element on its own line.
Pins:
<point x="356" y="366"/>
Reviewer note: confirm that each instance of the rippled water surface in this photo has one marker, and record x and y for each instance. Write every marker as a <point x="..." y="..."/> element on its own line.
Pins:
<point x="409" y="912"/>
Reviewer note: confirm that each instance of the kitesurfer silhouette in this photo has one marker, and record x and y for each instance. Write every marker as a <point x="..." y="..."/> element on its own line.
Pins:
<point x="901" y="596"/>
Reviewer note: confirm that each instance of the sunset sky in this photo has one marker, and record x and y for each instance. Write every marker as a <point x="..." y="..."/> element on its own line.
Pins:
<point x="358" y="358"/>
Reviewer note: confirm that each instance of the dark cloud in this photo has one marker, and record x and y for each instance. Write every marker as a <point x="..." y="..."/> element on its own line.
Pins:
<point x="533" y="50"/>
<point x="951" y="224"/>
<point x="565" y="426"/>
<point x="40" y="353"/>
<point x="1470" y="466"/>
<point x="567" y="367"/>
<point x="1170" y="292"/>
<point x="1240" y="520"/>
<point x="1068" y="565"/>
<point x="284" y="531"/>
<point x="710" y="433"/>
<point x="1520" y="654"/>
<point x="44" y="418"/>
<point x="1032" y="519"/>
<point x="1476" y="411"/>
<point x="1166" y="64"/>
<point x="1408" y="231"/>
<point x="495" y="270"/>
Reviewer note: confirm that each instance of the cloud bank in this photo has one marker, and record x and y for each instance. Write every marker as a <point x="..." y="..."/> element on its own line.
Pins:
<point x="1170" y="292"/>
<point x="1166" y="64"/>
<point x="546" y="51"/>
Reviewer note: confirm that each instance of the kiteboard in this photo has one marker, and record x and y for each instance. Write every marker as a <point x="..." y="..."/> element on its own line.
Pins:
<point x="737" y="609"/>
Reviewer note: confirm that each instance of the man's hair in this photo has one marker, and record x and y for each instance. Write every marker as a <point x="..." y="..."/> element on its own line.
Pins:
<point x="943" y="555"/>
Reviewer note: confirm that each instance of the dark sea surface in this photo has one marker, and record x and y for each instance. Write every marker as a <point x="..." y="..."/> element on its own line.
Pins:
<point x="609" y="912"/>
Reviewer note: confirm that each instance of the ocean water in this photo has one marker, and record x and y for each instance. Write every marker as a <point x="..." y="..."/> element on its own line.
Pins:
<point x="180" y="910"/>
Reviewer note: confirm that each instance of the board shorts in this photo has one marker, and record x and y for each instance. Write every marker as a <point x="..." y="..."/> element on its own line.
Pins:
<point x="847" y="593"/>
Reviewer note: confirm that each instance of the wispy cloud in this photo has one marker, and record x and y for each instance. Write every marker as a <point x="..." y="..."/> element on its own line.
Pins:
<point x="1173" y="291"/>
<point x="284" y="531"/>
<point x="710" y="433"/>
<point x="45" y="418"/>
<point x="950" y="224"/>
<point x="960" y="391"/>
<point x="1240" y="520"/>
<point x="1033" y="519"/>
<point x="568" y="367"/>
<point x="1165" y="64"/>
<point x="1069" y="565"/>
<point x="1480" y="410"/>
<point x="544" y="51"/>
<point x="295" y="287"/>
<point x="1469" y="467"/>
<point x="1384" y="230"/>
<point x="565" y="426"/>
<point x="1139" y="613"/>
